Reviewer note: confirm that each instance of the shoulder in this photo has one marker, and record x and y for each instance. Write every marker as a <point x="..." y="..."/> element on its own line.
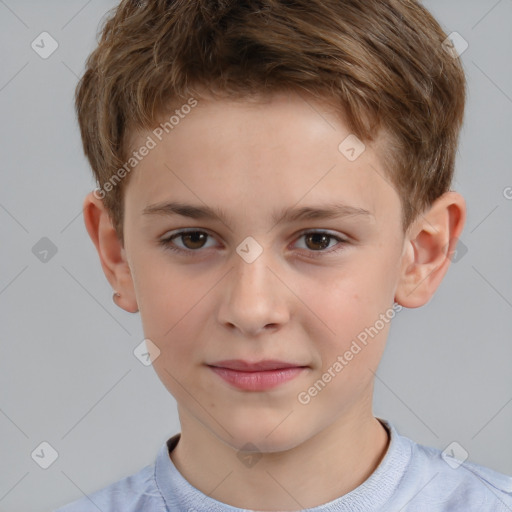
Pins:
<point x="133" y="493"/>
<point x="445" y="481"/>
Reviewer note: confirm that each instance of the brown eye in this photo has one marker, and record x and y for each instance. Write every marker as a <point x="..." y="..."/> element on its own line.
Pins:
<point x="317" y="241"/>
<point x="194" y="239"/>
<point x="191" y="241"/>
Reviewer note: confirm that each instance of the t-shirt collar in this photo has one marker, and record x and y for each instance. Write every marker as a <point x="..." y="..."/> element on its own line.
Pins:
<point x="371" y="495"/>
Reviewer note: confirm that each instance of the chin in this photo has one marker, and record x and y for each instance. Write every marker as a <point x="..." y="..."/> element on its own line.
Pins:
<point x="265" y="436"/>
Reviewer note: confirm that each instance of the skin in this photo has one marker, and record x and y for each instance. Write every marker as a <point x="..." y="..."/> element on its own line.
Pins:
<point x="251" y="158"/>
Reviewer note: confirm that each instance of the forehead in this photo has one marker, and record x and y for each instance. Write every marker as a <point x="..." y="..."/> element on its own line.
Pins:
<point x="275" y="151"/>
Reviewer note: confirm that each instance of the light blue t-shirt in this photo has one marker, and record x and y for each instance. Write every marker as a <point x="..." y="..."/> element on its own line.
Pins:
<point x="410" y="478"/>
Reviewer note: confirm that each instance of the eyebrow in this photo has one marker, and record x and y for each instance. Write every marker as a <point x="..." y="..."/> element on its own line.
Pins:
<point x="288" y="215"/>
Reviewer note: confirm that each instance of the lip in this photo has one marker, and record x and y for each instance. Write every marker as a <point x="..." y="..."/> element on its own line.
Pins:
<point x="246" y="366"/>
<point x="257" y="376"/>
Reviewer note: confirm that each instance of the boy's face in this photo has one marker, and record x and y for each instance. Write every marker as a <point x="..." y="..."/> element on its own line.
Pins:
<point x="298" y="301"/>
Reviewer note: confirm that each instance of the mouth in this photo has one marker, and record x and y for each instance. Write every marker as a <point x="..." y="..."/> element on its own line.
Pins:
<point x="257" y="376"/>
<point x="246" y="366"/>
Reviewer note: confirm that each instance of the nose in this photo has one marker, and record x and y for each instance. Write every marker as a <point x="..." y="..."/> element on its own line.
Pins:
<point x="255" y="298"/>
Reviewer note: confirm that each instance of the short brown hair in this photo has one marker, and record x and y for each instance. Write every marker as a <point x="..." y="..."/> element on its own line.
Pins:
<point x="380" y="63"/>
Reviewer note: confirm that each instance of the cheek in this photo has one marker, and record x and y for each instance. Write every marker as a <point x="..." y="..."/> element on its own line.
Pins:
<point x="349" y="342"/>
<point x="171" y="323"/>
<point x="164" y="293"/>
<point x="348" y="314"/>
<point x="172" y="301"/>
<point x="349" y="300"/>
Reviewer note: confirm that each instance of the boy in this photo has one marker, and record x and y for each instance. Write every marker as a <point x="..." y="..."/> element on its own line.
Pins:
<point x="274" y="186"/>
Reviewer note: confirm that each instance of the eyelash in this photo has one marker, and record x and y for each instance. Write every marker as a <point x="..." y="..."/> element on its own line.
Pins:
<point x="168" y="244"/>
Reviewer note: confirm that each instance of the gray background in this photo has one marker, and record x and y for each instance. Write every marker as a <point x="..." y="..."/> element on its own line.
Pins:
<point x="67" y="372"/>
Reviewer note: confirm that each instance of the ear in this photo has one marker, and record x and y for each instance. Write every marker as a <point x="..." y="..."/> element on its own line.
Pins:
<point x="110" y="250"/>
<point x="429" y="246"/>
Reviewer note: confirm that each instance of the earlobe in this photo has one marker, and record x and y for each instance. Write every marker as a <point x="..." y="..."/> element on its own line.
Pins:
<point x="429" y="245"/>
<point x="110" y="251"/>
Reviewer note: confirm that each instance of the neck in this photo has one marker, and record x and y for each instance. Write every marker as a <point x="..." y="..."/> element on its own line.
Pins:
<point x="326" y="466"/>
